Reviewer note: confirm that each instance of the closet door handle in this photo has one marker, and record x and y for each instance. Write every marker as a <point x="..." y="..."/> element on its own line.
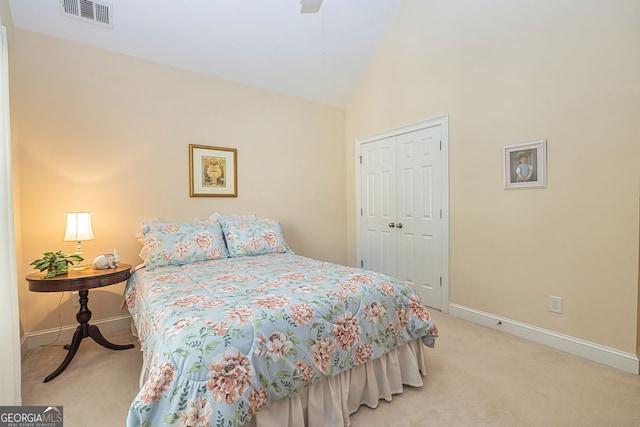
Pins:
<point x="399" y="225"/>
<point x="391" y="224"/>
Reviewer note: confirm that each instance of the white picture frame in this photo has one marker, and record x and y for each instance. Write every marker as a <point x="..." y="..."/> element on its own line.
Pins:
<point x="525" y="165"/>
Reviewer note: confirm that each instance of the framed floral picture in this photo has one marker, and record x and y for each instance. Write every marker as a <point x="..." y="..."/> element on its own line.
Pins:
<point x="213" y="171"/>
<point x="525" y="165"/>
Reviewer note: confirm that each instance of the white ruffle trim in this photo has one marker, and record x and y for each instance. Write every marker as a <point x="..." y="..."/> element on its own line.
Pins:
<point x="331" y="401"/>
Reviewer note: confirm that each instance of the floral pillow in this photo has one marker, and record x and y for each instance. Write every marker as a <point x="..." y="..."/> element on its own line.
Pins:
<point x="254" y="237"/>
<point x="178" y="243"/>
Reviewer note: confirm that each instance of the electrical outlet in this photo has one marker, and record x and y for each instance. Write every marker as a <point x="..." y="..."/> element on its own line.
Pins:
<point x="75" y="299"/>
<point x="555" y="304"/>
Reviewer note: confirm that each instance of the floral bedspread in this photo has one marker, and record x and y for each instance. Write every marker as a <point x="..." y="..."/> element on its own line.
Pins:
<point x="223" y="338"/>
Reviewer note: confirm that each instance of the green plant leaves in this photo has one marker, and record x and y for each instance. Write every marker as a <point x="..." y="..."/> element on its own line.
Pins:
<point x="55" y="263"/>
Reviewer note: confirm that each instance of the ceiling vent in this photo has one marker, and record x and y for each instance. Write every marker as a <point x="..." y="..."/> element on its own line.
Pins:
<point x="99" y="13"/>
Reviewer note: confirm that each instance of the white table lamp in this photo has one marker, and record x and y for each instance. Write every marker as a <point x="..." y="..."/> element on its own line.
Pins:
<point x="78" y="229"/>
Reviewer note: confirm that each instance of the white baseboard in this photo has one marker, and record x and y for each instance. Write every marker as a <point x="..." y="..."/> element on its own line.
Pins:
<point x="627" y="362"/>
<point x="48" y="336"/>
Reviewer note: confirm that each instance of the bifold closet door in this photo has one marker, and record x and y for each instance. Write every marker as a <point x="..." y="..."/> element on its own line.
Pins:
<point x="401" y="201"/>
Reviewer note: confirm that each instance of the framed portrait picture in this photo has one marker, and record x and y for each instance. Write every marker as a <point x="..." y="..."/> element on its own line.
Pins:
<point x="525" y="165"/>
<point x="213" y="171"/>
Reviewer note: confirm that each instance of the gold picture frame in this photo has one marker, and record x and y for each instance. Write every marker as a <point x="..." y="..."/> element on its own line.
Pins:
<point x="213" y="171"/>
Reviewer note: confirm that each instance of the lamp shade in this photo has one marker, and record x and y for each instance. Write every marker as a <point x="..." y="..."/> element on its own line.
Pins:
<point x="78" y="227"/>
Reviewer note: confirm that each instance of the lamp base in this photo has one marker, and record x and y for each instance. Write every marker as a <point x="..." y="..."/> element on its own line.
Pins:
<point x="79" y="267"/>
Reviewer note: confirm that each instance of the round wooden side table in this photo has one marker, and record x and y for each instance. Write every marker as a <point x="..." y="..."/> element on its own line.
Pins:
<point x="81" y="281"/>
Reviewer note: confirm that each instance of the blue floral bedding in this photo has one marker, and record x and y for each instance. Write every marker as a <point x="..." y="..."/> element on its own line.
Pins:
<point x="223" y="338"/>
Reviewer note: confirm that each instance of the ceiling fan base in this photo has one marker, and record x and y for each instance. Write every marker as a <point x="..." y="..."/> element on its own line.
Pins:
<point x="310" y="6"/>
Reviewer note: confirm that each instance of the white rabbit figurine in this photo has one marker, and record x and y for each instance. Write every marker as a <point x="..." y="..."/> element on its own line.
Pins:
<point x="105" y="261"/>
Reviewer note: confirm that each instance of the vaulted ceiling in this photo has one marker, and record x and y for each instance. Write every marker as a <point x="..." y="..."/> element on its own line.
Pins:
<point x="268" y="44"/>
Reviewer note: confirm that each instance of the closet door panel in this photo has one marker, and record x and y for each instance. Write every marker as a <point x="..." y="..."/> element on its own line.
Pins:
<point x="418" y="211"/>
<point x="379" y="205"/>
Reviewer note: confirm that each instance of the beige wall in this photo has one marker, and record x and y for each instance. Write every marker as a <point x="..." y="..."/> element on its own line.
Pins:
<point x="108" y="133"/>
<point x="511" y="72"/>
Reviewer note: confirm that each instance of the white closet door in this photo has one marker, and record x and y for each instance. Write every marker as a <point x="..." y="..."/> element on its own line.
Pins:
<point x="402" y="192"/>
<point x="378" y="191"/>
<point x="418" y="222"/>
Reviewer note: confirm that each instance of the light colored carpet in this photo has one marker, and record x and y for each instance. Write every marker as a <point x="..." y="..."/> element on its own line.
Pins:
<point x="97" y="387"/>
<point x="476" y="377"/>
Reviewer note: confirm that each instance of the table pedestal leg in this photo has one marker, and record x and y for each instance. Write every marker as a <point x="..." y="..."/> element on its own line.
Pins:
<point x="75" y="343"/>
<point x="94" y="333"/>
<point x="84" y="330"/>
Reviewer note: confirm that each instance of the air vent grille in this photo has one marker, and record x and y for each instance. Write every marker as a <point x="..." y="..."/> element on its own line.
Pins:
<point x="89" y="11"/>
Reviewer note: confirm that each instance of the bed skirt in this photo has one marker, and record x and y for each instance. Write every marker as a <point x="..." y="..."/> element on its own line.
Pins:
<point x="331" y="401"/>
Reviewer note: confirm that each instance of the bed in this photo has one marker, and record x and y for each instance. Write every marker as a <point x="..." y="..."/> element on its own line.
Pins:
<point x="237" y="330"/>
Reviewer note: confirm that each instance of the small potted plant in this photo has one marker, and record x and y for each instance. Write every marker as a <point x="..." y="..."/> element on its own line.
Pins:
<point x="55" y="263"/>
